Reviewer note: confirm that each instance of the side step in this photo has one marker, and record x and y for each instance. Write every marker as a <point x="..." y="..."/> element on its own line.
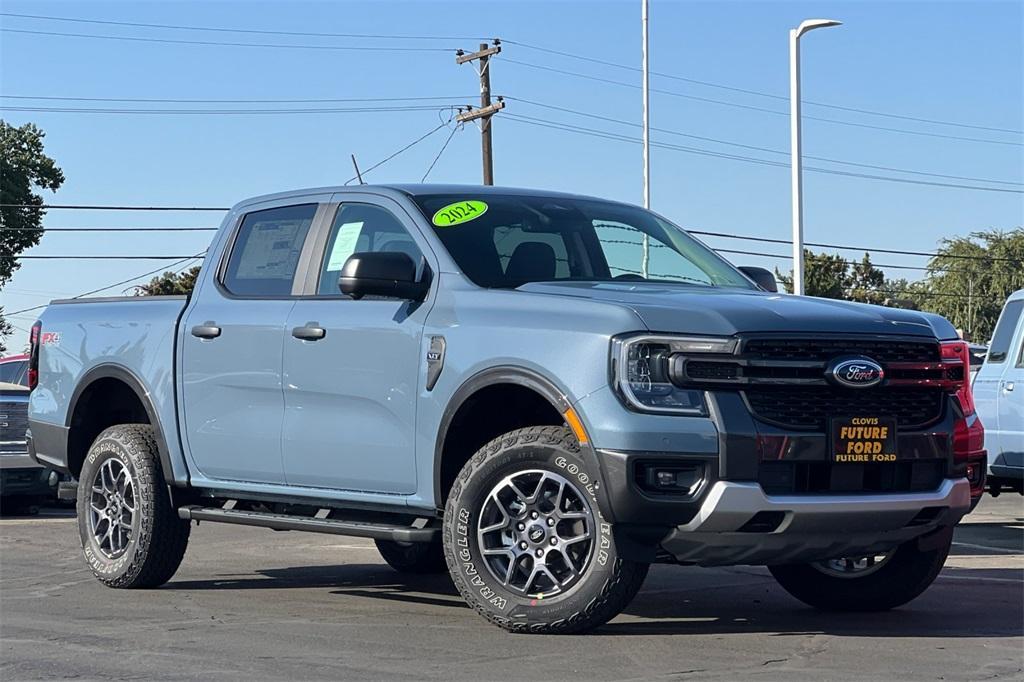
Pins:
<point x="317" y="524"/>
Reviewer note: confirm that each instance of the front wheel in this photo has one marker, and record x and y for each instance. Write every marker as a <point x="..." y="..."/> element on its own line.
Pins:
<point x="870" y="583"/>
<point x="525" y="542"/>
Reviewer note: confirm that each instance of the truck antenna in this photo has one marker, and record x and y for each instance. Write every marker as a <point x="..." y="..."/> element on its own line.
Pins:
<point x="356" y="166"/>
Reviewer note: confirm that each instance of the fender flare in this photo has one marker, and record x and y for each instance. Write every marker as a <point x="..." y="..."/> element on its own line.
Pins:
<point x="520" y="376"/>
<point x="123" y="374"/>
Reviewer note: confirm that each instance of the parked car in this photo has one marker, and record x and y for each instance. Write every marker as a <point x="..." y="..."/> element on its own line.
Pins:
<point x="977" y="358"/>
<point x="24" y="483"/>
<point x="14" y="370"/>
<point x="999" y="395"/>
<point x="541" y="392"/>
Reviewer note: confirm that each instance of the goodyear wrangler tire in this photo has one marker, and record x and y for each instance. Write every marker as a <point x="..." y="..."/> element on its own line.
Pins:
<point x="131" y="535"/>
<point x="876" y="583"/>
<point x="525" y="541"/>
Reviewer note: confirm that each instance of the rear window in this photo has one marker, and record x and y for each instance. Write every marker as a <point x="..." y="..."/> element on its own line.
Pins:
<point x="266" y="251"/>
<point x="1003" y="335"/>
<point x="14" y="372"/>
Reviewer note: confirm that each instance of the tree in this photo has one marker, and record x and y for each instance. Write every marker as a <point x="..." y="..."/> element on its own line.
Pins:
<point x="831" y="276"/>
<point x="971" y="277"/>
<point x="170" y="284"/>
<point x="24" y="168"/>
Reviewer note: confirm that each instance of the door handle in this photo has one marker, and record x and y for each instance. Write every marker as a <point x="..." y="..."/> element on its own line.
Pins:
<point x="206" y="331"/>
<point x="309" y="333"/>
<point x="1007" y="386"/>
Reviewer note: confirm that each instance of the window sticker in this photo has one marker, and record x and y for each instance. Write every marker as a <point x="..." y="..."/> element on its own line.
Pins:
<point x="458" y="213"/>
<point x="344" y="245"/>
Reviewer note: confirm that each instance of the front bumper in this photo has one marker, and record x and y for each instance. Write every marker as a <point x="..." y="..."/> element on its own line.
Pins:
<point x="809" y="527"/>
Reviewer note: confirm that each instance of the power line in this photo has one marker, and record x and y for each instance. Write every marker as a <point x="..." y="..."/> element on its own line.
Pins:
<point x="754" y="147"/>
<point x="755" y="108"/>
<point x="115" y="284"/>
<point x="215" y="43"/>
<point x="761" y="93"/>
<point x="112" y="229"/>
<point x="403" y="149"/>
<point x="82" y="207"/>
<point x="218" y="29"/>
<point x="88" y="257"/>
<point x="176" y="100"/>
<point x="222" y="112"/>
<point x="765" y="162"/>
<point x="439" y="153"/>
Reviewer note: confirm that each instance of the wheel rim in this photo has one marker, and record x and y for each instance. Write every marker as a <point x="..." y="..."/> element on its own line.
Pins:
<point x="112" y="508"/>
<point x="853" y="567"/>
<point x="536" y="533"/>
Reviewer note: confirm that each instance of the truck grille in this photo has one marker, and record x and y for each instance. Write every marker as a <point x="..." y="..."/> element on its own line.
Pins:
<point x="810" y="407"/>
<point x="882" y="350"/>
<point x="13" y="425"/>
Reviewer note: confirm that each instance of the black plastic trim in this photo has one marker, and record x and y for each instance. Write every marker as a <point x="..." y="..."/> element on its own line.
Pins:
<point x="122" y="373"/>
<point x="48" y="444"/>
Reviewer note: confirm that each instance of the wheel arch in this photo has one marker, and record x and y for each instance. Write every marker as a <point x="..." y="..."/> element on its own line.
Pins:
<point x="126" y="401"/>
<point x="544" y="401"/>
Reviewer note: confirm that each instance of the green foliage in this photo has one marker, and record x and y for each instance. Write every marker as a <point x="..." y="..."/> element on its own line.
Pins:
<point x="170" y="284"/>
<point x="970" y="292"/>
<point x="24" y="168"/>
<point x="5" y="330"/>
<point x="831" y="276"/>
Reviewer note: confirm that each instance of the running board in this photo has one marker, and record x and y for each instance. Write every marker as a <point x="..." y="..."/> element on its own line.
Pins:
<point x="318" y="524"/>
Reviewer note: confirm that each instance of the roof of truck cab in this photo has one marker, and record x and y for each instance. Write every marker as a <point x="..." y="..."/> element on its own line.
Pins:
<point x="469" y="191"/>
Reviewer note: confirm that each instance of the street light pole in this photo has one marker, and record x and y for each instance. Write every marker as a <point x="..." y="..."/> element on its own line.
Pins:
<point x="796" y="172"/>
<point x="645" y="258"/>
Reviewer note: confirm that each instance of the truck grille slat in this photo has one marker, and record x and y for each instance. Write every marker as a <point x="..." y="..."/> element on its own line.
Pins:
<point x="810" y="407"/>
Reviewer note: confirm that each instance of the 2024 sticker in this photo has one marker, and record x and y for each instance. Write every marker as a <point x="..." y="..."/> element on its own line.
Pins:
<point x="458" y="213"/>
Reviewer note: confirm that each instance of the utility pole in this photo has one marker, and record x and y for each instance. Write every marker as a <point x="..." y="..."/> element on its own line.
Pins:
<point x="487" y="109"/>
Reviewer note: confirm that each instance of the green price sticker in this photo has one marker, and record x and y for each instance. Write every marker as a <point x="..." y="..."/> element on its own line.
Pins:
<point x="459" y="212"/>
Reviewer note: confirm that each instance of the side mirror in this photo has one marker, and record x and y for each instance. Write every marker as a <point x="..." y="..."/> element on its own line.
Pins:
<point x="381" y="274"/>
<point x="762" y="278"/>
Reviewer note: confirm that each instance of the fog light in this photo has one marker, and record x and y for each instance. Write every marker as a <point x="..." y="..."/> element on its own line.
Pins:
<point x="674" y="478"/>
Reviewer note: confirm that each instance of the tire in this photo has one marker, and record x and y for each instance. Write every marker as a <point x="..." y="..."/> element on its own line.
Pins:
<point x="904" y="575"/>
<point x="413" y="557"/>
<point x="140" y="549"/>
<point x="586" y="584"/>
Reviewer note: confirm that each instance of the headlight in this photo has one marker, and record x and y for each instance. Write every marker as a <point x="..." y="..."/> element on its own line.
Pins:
<point x="641" y="371"/>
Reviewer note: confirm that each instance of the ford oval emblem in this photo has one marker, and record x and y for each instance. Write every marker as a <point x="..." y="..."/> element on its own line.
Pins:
<point x="856" y="372"/>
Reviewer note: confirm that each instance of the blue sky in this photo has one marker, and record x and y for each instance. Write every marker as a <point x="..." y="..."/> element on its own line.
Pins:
<point x="948" y="61"/>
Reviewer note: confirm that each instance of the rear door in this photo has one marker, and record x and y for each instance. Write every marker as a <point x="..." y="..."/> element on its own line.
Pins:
<point x="232" y="338"/>
<point x="1011" y="398"/>
<point x="350" y="396"/>
<point x="997" y="388"/>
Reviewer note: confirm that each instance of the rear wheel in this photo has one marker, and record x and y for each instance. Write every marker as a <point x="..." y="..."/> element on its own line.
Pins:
<point x="876" y="582"/>
<point x="131" y="535"/>
<point x="413" y="557"/>
<point x="525" y="541"/>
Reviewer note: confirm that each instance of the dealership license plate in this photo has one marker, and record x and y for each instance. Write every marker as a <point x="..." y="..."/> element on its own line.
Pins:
<point x="863" y="440"/>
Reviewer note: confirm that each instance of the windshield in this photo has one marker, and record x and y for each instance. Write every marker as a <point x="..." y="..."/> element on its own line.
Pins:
<point x="508" y="241"/>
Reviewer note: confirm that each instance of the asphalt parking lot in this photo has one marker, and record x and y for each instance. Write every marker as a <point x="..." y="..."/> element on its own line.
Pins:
<point x="251" y="603"/>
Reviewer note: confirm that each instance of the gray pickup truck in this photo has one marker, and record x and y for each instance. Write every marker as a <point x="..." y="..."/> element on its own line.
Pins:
<point x="541" y="393"/>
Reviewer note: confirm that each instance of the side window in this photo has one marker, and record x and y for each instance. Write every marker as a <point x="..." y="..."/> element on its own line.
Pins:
<point x="266" y="251"/>
<point x="361" y="228"/>
<point x="623" y="249"/>
<point x="1002" y="337"/>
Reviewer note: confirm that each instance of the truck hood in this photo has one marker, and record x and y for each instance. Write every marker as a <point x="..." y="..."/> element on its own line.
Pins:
<point x="726" y="311"/>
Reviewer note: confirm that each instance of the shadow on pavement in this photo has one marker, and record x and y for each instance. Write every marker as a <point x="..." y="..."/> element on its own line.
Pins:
<point x="989" y="538"/>
<point x="375" y="581"/>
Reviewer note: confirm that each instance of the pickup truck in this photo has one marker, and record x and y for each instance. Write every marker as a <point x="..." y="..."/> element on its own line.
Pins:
<point x="541" y="393"/>
<point x="999" y="394"/>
